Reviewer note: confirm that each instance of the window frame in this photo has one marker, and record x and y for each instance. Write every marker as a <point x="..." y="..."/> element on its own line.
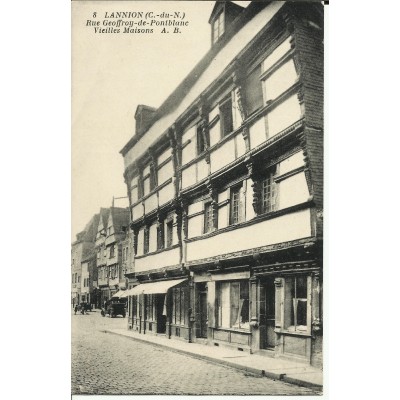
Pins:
<point x="269" y="190"/>
<point x="208" y="222"/>
<point x="233" y="191"/>
<point x="291" y="317"/>
<point x="169" y="233"/>
<point x="242" y="307"/>
<point x="218" y="26"/>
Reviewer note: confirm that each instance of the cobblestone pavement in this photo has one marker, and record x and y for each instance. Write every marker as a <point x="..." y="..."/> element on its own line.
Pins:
<point x="108" y="364"/>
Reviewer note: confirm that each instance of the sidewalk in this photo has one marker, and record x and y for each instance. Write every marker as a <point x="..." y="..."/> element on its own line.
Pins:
<point x="287" y="371"/>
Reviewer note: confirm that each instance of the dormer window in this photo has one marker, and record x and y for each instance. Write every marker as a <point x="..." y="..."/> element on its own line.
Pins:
<point x="218" y="27"/>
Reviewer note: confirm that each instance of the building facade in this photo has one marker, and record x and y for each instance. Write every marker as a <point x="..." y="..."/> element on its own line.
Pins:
<point x="111" y="234"/>
<point x="225" y="184"/>
<point x="80" y="250"/>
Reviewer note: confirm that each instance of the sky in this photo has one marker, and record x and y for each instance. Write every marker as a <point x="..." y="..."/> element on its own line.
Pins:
<point x="111" y="75"/>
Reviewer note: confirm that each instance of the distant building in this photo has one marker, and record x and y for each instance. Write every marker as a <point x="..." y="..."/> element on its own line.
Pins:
<point x="80" y="249"/>
<point x="89" y="278"/>
<point x="225" y="181"/>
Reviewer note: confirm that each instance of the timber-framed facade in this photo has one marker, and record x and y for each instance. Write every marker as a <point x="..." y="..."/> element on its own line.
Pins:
<point x="225" y="183"/>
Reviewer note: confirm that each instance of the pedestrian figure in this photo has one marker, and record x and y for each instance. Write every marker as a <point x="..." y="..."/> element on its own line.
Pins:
<point x="76" y="308"/>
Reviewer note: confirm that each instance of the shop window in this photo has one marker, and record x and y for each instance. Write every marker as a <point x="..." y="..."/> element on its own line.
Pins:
<point x="296" y="300"/>
<point x="269" y="193"/>
<point x="218" y="27"/>
<point x="208" y="217"/>
<point x="178" y="306"/>
<point x="169" y="233"/>
<point x="236" y="206"/>
<point x="233" y="309"/>
<point x="150" y="307"/>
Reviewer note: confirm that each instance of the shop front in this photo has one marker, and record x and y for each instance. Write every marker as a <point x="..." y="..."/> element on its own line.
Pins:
<point x="160" y="307"/>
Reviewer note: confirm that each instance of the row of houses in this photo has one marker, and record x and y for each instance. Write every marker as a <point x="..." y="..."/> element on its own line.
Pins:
<point x="225" y="186"/>
<point x="101" y="256"/>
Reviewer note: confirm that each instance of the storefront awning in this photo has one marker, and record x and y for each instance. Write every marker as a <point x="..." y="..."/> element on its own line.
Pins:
<point x="154" y="287"/>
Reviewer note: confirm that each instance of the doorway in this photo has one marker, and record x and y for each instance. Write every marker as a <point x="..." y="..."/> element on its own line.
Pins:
<point x="268" y="302"/>
<point x="202" y="310"/>
<point x="161" y="314"/>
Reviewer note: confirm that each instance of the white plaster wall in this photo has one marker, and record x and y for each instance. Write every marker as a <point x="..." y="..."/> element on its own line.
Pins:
<point x="195" y="226"/>
<point x="223" y="217"/>
<point x="189" y="151"/>
<point x="222" y="196"/>
<point x="281" y="229"/>
<point x="223" y="155"/>
<point x="257" y="133"/>
<point x="283" y="115"/>
<point x="165" y="172"/>
<point x="140" y="243"/>
<point x="202" y="170"/>
<point x="215" y="134"/>
<point x="278" y="53"/>
<point x="293" y="190"/>
<point x="164" y="259"/>
<point x="166" y="194"/>
<point x="163" y="156"/>
<point x="189" y="176"/>
<point x="240" y="145"/>
<point x="137" y="211"/>
<point x="195" y="208"/>
<point x="153" y="238"/>
<point x="281" y="80"/>
<point x="289" y="164"/>
<point x="150" y="203"/>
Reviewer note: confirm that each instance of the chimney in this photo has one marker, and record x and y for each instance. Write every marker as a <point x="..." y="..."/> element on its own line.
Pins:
<point x="143" y="116"/>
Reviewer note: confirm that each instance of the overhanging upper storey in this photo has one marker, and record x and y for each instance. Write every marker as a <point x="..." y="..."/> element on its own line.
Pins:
<point x="249" y="24"/>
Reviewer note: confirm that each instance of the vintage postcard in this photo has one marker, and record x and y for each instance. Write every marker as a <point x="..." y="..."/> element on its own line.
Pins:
<point x="197" y="198"/>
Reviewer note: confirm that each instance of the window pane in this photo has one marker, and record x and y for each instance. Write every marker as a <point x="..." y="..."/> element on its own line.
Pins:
<point x="226" y="117"/>
<point x="225" y="305"/>
<point x="235" y="317"/>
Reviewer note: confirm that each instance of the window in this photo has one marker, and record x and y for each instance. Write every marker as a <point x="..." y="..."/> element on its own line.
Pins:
<point x="236" y="205"/>
<point x="112" y="251"/>
<point x="178" y="306"/>
<point x="269" y="193"/>
<point x="296" y="303"/>
<point x="169" y="233"/>
<point x="208" y="217"/>
<point x="226" y="117"/>
<point x="160" y="236"/>
<point x="233" y="307"/>
<point x="146" y="240"/>
<point x="149" y="180"/>
<point x="218" y="27"/>
<point x="150" y="307"/>
<point x="202" y="143"/>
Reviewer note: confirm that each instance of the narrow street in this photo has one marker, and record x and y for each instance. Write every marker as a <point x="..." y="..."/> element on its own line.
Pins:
<point x="108" y="364"/>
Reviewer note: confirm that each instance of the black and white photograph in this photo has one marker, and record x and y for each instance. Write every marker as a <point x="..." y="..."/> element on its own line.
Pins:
<point x="197" y="235"/>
